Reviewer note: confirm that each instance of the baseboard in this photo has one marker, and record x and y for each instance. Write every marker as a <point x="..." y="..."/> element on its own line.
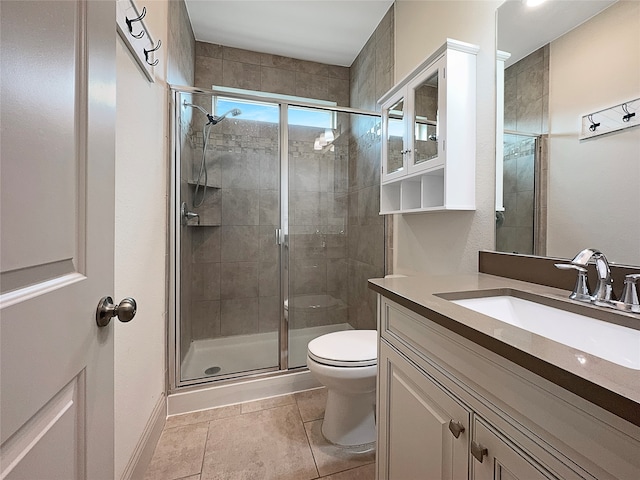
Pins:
<point x="143" y="452"/>
<point x="238" y="392"/>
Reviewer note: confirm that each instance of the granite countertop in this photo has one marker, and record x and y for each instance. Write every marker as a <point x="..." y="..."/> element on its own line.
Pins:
<point x="613" y="387"/>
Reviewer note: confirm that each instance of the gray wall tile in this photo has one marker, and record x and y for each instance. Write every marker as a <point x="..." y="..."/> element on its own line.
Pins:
<point x="238" y="280"/>
<point x="239" y="243"/>
<point x="239" y="316"/>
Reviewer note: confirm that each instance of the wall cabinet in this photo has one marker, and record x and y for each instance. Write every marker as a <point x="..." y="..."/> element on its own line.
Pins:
<point x="435" y="421"/>
<point x="428" y="148"/>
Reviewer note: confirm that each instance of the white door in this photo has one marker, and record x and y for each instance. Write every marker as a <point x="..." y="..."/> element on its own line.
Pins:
<point x="56" y="244"/>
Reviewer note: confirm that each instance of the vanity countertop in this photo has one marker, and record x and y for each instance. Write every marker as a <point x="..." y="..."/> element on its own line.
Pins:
<point x="613" y="387"/>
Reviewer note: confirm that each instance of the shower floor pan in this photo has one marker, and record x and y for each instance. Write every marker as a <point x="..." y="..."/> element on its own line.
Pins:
<point x="243" y="353"/>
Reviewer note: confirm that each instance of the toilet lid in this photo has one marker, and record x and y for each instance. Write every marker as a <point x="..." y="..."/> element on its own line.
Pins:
<point x="349" y="348"/>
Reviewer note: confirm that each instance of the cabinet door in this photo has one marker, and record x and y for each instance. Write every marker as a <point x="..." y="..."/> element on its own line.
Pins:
<point x="494" y="457"/>
<point x="394" y="149"/>
<point x="415" y="439"/>
<point x="426" y="109"/>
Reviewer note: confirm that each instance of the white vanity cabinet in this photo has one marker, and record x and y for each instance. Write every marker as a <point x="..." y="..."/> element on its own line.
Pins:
<point x="434" y="385"/>
<point x="428" y="128"/>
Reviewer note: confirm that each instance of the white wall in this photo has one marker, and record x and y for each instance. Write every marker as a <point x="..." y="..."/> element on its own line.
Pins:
<point x="140" y="239"/>
<point x="594" y="185"/>
<point x="449" y="242"/>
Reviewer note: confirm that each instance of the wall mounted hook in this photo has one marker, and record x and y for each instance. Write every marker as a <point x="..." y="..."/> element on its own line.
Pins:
<point x="137" y="19"/>
<point x="147" y="52"/>
<point x="593" y="125"/>
<point x="627" y="114"/>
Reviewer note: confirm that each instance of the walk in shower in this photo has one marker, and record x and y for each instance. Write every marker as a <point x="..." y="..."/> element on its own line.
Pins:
<point x="274" y="230"/>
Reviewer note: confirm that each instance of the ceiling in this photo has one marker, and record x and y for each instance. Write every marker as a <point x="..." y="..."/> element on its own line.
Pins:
<point x="522" y="30"/>
<point x="327" y="31"/>
<point x="334" y="31"/>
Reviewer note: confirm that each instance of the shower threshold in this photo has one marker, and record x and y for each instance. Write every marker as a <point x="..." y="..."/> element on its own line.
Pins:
<point x="246" y="353"/>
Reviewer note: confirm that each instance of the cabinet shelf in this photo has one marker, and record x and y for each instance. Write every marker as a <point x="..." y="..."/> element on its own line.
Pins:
<point x="421" y="192"/>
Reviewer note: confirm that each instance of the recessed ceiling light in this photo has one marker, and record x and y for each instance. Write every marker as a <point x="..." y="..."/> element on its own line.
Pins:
<point x="533" y="3"/>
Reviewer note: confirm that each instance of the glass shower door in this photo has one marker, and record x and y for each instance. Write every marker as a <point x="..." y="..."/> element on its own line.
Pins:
<point x="229" y="195"/>
<point x="318" y="150"/>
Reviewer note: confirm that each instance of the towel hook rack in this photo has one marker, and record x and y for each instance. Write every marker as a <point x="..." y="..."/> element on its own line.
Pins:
<point x="138" y="19"/>
<point x="593" y="125"/>
<point x="147" y="52"/>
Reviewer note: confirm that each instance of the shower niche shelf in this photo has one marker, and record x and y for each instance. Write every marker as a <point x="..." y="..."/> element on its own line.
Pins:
<point x="203" y="224"/>
<point x="193" y="183"/>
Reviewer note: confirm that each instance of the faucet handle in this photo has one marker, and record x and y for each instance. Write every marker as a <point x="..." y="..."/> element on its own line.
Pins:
<point x="581" y="289"/>
<point x="630" y="292"/>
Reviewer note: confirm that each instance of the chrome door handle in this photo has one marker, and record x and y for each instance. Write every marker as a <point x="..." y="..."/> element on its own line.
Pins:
<point x="478" y="451"/>
<point x="125" y="310"/>
<point x="456" y="428"/>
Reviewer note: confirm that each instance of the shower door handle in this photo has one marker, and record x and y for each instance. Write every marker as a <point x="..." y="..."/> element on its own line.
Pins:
<point x="278" y="235"/>
<point x="125" y="310"/>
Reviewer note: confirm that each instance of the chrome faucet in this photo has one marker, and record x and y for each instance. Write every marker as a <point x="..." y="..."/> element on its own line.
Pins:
<point x="603" y="295"/>
<point x="604" y="288"/>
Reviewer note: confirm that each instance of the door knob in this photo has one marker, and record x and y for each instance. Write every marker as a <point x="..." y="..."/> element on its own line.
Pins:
<point x="125" y="310"/>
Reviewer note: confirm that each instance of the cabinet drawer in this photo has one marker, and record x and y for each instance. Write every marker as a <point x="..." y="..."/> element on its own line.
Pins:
<point x="405" y="329"/>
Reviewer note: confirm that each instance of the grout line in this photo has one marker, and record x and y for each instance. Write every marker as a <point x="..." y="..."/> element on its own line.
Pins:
<point x="315" y="463"/>
<point x="206" y="442"/>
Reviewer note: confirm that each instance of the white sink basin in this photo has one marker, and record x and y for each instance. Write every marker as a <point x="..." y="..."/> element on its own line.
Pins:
<point x="615" y="343"/>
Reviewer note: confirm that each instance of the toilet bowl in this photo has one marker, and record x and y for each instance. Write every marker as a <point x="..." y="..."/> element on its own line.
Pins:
<point x="346" y="363"/>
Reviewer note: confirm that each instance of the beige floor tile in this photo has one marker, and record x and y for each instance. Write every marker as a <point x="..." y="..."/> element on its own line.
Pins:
<point x="179" y="453"/>
<point x="264" y="445"/>
<point x="311" y="403"/>
<point x="366" y="472"/>
<point x="332" y="458"/>
<point x="202" y="416"/>
<point x="191" y="477"/>
<point x="266" y="403"/>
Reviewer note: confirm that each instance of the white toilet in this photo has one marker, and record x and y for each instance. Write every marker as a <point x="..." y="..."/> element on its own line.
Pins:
<point x="346" y="363"/>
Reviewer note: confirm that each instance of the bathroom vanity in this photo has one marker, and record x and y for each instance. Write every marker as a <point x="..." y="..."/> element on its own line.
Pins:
<point x="463" y="395"/>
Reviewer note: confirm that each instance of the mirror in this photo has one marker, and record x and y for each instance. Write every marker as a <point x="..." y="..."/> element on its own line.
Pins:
<point x="561" y="194"/>
<point x="395" y="137"/>
<point x="426" y="120"/>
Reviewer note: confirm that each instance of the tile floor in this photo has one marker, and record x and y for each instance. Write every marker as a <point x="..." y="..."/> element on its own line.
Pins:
<point x="276" y="438"/>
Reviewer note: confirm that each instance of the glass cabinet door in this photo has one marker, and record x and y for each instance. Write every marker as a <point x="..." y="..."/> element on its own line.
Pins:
<point x="394" y="145"/>
<point x="425" y="118"/>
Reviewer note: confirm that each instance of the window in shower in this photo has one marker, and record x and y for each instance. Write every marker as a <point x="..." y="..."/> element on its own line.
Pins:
<point x="309" y="117"/>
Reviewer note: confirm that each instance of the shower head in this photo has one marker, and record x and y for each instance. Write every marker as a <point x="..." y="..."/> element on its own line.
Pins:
<point x="234" y="112"/>
<point x="213" y="119"/>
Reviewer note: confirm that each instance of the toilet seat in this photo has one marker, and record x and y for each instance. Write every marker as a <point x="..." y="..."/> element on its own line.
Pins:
<point x="348" y="348"/>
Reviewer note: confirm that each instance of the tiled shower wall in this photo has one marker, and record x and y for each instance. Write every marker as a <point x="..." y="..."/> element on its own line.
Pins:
<point x="371" y="77"/>
<point x="525" y="110"/>
<point x="242" y="250"/>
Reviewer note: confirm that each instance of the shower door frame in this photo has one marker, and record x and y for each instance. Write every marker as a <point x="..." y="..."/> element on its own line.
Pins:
<point x="281" y="237"/>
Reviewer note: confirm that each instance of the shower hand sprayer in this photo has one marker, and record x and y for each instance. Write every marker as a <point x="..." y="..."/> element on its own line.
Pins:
<point x="206" y="128"/>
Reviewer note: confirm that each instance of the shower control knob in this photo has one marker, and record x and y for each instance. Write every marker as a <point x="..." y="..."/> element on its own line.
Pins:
<point x="125" y="310"/>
